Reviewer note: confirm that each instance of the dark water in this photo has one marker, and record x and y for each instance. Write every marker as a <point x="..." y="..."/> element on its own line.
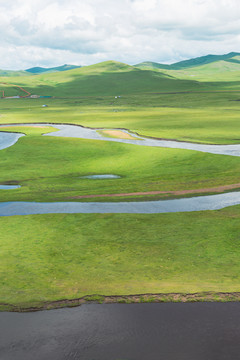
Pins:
<point x="195" y="331"/>
<point x="200" y="203"/>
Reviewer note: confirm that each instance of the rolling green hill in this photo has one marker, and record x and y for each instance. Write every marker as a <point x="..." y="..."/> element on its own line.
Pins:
<point x="227" y="71"/>
<point x="108" y="78"/>
<point x="223" y="70"/>
<point x="202" y="60"/>
<point x="112" y="78"/>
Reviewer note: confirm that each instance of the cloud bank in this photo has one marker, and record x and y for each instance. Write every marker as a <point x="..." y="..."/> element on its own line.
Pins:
<point x="50" y="33"/>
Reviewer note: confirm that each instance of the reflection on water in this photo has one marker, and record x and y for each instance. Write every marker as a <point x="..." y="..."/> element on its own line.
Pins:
<point x="190" y="331"/>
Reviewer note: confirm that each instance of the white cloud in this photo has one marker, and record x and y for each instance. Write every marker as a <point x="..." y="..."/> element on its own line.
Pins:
<point x="46" y="32"/>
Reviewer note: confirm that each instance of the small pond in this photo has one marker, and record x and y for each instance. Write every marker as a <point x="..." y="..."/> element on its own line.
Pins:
<point x="9" y="187"/>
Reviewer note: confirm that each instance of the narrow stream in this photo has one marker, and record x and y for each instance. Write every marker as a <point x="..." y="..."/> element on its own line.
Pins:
<point x="200" y="203"/>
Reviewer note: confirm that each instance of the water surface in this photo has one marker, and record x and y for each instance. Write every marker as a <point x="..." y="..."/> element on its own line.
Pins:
<point x="77" y="131"/>
<point x="190" y="331"/>
<point x="8" y="139"/>
<point x="86" y="133"/>
<point x="211" y="202"/>
<point x="9" y="187"/>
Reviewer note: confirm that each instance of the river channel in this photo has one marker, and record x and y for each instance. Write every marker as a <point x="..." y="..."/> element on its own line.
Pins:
<point x="171" y="331"/>
<point x="77" y="131"/>
<point x="200" y="203"/>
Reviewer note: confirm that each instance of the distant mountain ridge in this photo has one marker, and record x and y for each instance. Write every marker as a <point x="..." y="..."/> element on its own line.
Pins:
<point x="41" y="70"/>
<point x="227" y="62"/>
<point x="202" y="60"/>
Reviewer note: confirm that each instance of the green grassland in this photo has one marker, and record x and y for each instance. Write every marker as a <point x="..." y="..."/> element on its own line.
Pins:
<point x="50" y="257"/>
<point x="195" y="117"/>
<point x="107" y="78"/>
<point x="50" y="168"/>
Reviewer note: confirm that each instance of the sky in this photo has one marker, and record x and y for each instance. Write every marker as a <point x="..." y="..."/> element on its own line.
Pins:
<point x="83" y="32"/>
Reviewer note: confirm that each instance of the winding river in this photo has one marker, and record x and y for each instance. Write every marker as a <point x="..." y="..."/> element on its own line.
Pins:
<point x="199" y="203"/>
<point x="81" y="132"/>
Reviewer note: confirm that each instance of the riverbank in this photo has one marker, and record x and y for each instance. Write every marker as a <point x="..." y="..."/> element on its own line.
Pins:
<point x="45" y="258"/>
<point x="216" y="189"/>
<point x="127" y="299"/>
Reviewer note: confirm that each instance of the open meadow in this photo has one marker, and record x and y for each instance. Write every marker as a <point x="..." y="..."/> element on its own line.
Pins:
<point x="53" y="257"/>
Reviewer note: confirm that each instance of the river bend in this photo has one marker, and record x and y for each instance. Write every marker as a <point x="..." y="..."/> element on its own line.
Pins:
<point x="81" y="132"/>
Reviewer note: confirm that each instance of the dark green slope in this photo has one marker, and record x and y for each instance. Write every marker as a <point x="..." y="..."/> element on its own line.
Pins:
<point x="106" y="79"/>
<point x="202" y="60"/>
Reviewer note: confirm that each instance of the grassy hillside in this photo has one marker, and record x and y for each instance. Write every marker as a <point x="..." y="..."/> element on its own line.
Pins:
<point x="222" y="71"/>
<point x="185" y="64"/>
<point x="107" y="78"/>
<point x="10" y="90"/>
<point x="112" y="78"/>
<point x="150" y="65"/>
